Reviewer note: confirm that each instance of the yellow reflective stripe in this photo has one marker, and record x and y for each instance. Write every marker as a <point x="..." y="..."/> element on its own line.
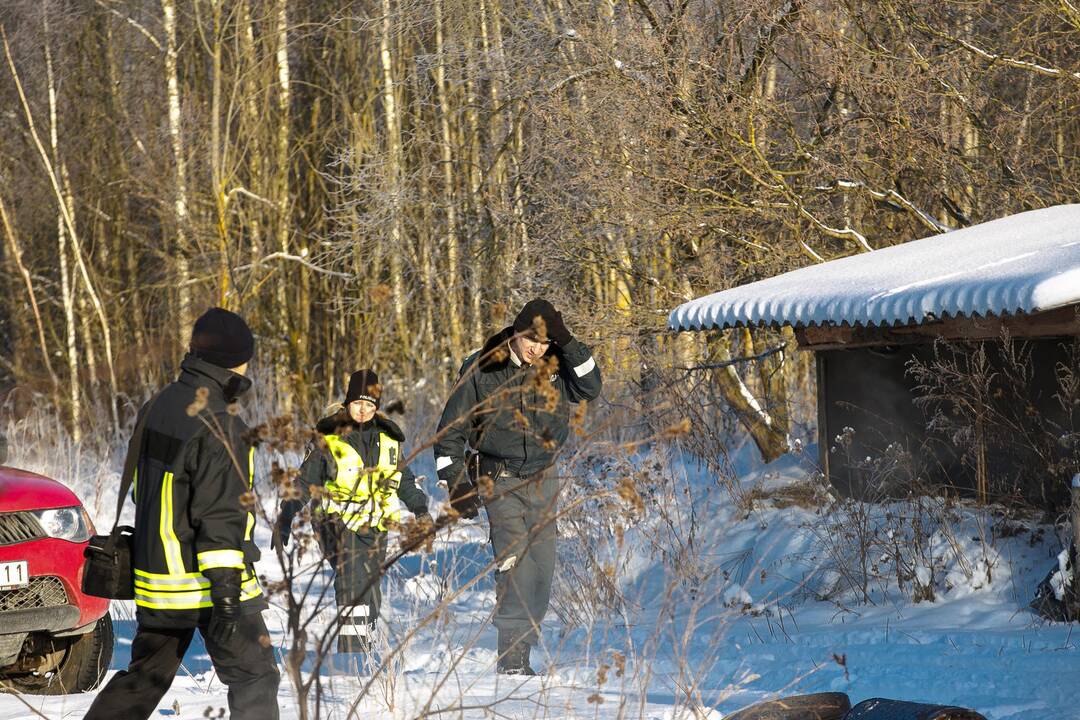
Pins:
<point x="172" y="584"/>
<point x="171" y="603"/>
<point x="221" y="559"/>
<point x="388" y="452"/>
<point x="173" y="599"/>
<point x="250" y="589"/>
<point x="189" y="599"/>
<point x="192" y="581"/>
<point x="157" y="576"/>
<point x="251" y="484"/>
<point x="174" y="560"/>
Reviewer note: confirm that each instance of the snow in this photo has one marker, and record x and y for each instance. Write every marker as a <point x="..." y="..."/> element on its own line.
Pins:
<point x="752" y="609"/>
<point x="1027" y="262"/>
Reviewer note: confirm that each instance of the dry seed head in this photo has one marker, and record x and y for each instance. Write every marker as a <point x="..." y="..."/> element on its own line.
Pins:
<point x="379" y="294"/>
<point x="197" y="405"/>
<point x="629" y="494"/>
<point x="577" y="420"/>
<point x="619" y="660"/>
<point x="247" y="500"/>
<point x="680" y="428"/>
<point x="539" y="327"/>
<point x="485" y="486"/>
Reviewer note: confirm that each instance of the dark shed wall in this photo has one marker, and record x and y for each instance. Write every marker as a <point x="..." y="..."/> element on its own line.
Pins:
<point x="871" y="391"/>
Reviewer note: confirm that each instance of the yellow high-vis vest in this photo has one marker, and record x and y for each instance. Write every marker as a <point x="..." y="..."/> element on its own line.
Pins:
<point x="364" y="496"/>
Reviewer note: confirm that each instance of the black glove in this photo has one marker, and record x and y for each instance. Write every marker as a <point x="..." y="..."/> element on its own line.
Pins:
<point x="225" y="594"/>
<point x="464" y="499"/>
<point x="282" y="531"/>
<point x="279" y="541"/>
<point x="556" y="329"/>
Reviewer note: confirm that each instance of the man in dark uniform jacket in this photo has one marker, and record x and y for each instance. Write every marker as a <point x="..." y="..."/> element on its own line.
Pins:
<point x="511" y="406"/>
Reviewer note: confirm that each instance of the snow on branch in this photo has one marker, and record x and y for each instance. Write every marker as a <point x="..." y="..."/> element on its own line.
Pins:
<point x="891" y="197"/>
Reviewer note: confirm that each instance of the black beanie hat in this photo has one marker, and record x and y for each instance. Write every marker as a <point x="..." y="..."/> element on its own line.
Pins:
<point x="222" y="338"/>
<point x="524" y="322"/>
<point x="364" y="385"/>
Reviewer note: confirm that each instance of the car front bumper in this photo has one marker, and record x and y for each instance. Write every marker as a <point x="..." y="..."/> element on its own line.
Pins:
<point x="66" y="610"/>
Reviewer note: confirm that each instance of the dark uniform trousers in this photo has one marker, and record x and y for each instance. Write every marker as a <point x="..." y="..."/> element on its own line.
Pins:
<point x="245" y="664"/>
<point x="357" y="559"/>
<point x="522" y="514"/>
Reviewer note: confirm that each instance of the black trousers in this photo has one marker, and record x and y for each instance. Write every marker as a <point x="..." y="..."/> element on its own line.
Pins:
<point x="357" y="560"/>
<point x="245" y="664"/>
<point x="522" y="517"/>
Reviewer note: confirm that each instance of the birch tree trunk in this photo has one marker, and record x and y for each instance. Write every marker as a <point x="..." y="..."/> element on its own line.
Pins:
<point x="473" y="161"/>
<point x="180" y="200"/>
<point x="294" y="355"/>
<point x="67" y="290"/>
<point x="393" y="171"/>
<point x="453" y="249"/>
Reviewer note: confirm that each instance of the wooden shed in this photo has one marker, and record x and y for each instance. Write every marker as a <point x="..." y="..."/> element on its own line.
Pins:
<point x="870" y="319"/>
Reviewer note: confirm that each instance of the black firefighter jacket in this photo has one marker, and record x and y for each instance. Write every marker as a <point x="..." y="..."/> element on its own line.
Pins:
<point x="501" y="410"/>
<point x="193" y="494"/>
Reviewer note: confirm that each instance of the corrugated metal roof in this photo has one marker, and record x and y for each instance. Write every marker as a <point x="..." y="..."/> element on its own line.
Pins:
<point x="1027" y="262"/>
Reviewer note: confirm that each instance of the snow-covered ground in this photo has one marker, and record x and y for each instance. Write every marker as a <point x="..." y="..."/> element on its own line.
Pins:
<point x="721" y="606"/>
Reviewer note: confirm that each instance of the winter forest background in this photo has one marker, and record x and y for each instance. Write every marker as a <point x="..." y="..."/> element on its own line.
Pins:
<point x="385" y="183"/>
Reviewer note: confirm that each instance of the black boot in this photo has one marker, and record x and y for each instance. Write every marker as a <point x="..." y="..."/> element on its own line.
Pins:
<point x="514" y="659"/>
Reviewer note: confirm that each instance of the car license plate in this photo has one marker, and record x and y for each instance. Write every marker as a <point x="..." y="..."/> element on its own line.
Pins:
<point x="13" y="575"/>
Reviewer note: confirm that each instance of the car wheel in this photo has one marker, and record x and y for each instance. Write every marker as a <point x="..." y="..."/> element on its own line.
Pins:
<point x="80" y="663"/>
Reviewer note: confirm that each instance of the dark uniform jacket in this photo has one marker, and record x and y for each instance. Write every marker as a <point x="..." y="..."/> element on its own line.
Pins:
<point x="502" y="412"/>
<point x="319" y="467"/>
<point x="193" y="497"/>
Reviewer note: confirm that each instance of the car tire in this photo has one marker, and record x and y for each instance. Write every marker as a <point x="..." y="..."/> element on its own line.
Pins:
<point x="85" y="661"/>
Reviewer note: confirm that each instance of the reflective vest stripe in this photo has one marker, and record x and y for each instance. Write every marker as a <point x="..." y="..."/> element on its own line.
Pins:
<point x="221" y="559"/>
<point x="174" y="559"/>
<point x="166" y="594"/>
<point x="251" y="484"/>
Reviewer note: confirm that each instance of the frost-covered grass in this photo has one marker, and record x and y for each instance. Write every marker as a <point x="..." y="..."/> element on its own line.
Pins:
<point x="677" y="604"/>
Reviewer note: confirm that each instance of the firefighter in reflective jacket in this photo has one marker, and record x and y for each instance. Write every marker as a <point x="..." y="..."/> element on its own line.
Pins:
<point x="356" y="486"/>
<point x="193" y="553"/>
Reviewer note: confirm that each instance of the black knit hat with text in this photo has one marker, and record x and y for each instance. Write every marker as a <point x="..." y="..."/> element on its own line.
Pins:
<point x="364" y="385"/>
<point x="222" y="338"/>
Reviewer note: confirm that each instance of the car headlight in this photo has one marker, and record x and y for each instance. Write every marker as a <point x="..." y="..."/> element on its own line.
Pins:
<point x="64" y="523"/>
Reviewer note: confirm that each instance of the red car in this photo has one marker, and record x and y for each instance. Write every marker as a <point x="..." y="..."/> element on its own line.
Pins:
<point x="53" y="638"/>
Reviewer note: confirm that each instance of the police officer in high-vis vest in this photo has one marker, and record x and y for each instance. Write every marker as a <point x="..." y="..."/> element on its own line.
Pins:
<point x="361" y="485"/>
<point x="193" y="553"/>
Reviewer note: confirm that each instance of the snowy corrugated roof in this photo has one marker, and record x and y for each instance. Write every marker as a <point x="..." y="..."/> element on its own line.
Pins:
<point x="1022" y="263"/>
